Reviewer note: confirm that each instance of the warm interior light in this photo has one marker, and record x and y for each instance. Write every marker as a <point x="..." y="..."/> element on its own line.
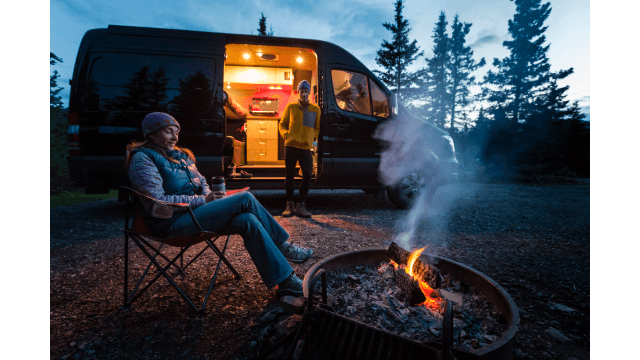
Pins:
<point x="299" y="59"/>
<point x="259" y="54"/>
<point x="246" y="56"/>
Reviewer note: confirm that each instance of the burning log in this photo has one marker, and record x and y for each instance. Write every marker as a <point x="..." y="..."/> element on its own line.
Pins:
<point x="409" y="287"/>
<point x="428" y="274"/>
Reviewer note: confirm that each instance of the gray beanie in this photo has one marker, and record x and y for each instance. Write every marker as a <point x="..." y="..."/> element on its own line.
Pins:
<point x="156" y="121"/>
<point x="304" y="84"/>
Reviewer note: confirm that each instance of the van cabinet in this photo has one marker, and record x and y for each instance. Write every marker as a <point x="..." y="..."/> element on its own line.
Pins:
<point x="262" y="141"/>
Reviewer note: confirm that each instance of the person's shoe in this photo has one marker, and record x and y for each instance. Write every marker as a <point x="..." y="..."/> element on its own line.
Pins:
<point x="290" y="286"/>
<point x="294" y="253"/>
<point x="288" y="212"/>
<point x="301" y="211"/>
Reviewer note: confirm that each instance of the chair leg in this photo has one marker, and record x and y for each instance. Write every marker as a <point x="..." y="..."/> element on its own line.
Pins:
<point x="163" y="272"/>
<point x="223" y="258"/>
<point x="215" y="274"/>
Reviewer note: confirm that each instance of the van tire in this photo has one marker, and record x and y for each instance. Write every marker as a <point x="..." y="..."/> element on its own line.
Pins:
<point x="405" y="192"/>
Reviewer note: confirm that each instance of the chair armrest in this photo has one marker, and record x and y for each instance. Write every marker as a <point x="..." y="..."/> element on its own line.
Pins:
<point x="177" y="205"/>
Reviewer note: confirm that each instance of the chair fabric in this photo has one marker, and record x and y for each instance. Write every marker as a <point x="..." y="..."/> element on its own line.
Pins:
<point x="142" y="237"/>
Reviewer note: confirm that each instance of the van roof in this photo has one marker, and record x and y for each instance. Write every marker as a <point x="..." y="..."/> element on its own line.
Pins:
<point x="330" y="52"/>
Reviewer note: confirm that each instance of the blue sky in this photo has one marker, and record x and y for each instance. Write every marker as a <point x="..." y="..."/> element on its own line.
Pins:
<point x="354" y="25"/>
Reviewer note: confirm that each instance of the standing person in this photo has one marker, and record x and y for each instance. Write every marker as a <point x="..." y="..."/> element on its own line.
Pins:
<point x="299" y="126"/>
<point x="163" y="171"/>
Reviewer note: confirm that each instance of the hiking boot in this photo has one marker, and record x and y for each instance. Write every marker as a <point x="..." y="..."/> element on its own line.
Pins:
<point x="301" y="211"/>
<point x="294" y="253"/>
<point x="290" y="286"/>
<point x="288" y="212"/>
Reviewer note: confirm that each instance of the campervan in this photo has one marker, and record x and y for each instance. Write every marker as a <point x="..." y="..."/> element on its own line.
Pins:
<point x="229" y="92"/>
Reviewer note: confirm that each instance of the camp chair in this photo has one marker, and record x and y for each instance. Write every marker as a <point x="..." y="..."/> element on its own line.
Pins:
<point x="140" y="235"/>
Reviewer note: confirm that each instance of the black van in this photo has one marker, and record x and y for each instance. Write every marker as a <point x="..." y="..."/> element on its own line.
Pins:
<point x="228" y="93"/>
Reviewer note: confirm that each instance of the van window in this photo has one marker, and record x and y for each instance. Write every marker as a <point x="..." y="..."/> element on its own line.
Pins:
<point x="380" y="101"/>
<point x="351" y="91"/>
<point x="146" y="83"/>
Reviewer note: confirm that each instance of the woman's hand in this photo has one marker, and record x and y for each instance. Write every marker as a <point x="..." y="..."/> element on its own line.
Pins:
<point x="215" y="195"/>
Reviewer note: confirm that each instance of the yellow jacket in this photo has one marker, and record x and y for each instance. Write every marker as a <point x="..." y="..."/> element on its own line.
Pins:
<point x="298" y="127"/>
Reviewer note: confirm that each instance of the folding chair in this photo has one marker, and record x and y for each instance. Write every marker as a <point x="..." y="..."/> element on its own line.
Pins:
<point x="140" y="235"/>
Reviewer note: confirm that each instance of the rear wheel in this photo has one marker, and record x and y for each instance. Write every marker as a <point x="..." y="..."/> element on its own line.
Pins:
<point x="405" y="192"/>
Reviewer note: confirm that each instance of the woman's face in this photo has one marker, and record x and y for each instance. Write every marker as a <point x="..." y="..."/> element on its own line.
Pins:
<point x="165" y="138"/>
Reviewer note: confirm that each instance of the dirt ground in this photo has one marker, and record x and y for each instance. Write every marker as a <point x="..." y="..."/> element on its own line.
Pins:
<point x="533" y="240"/>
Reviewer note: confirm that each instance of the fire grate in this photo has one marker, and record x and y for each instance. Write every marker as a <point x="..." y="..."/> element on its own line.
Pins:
<point x="333" y="336"/>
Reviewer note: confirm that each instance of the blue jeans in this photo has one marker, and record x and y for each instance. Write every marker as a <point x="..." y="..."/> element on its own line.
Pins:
<point x="241" y="214"/>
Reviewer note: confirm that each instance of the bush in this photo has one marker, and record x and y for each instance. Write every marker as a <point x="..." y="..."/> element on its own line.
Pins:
<point x="58" y="152"/>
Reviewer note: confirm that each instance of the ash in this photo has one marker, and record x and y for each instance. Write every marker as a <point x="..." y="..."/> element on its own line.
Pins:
<point x="369" y="294"/>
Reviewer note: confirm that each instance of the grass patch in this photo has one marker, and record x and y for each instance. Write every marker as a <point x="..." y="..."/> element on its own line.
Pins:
<point x="78" y="196"/>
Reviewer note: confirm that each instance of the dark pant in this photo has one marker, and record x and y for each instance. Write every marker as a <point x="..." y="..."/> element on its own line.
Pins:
<point x="291" y="156"/>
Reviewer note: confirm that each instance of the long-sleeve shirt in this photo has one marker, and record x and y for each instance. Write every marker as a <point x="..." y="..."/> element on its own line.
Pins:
<point x="300" y="125"/>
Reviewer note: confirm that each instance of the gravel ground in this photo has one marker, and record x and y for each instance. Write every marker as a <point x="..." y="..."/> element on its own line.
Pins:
<point x="533" y="240"/>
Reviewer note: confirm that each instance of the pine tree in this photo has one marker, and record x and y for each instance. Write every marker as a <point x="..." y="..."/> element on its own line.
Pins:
<point x="262" y="27"/>
<point x="394" y="57"/>
<point x="460" y="66"/>
<point x="55" y="101"/>
<point x="436" y="70"/>
<point x="521" y="76"/>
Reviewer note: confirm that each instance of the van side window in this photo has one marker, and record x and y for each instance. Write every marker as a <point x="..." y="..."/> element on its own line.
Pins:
<point x="380" y="101"/>
<point x="131" y="82"/>
<point x="352" y="91"/>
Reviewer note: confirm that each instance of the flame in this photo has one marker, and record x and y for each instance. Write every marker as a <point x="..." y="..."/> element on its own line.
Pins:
<point x="412" y="259"/>
<point x="395" y="264"/>
<point x="426" y="289"/>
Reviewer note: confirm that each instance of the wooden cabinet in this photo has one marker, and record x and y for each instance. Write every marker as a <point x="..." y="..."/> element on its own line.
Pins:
<point x="258" y="75"/>
<point x="262" y="141"/>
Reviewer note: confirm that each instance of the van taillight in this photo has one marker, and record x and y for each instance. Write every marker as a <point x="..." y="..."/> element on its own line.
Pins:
<point x="73" y="135"/>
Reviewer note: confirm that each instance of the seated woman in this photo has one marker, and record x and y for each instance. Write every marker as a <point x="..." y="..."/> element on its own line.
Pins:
<point x="161" y="170"/>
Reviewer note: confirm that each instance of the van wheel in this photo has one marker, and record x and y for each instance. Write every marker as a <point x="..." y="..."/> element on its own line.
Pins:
<point x="405" y="192"/>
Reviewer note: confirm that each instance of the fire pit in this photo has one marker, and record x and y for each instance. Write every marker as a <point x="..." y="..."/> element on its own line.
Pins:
<point x="329" y="335"/>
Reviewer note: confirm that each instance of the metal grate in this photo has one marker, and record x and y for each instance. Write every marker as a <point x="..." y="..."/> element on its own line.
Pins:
<point x="333" y="336"/>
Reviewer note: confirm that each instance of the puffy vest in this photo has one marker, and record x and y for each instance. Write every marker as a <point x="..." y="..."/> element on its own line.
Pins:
<point x="177" y="179"/>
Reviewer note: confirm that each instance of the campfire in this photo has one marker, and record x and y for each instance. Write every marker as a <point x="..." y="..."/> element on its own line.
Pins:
<point x="390" y="303"/>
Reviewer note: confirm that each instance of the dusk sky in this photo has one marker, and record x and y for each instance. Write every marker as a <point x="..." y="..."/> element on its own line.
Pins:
<point x="355" y="25"/>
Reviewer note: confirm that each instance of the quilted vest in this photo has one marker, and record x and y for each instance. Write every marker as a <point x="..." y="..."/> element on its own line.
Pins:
<point x="177" y="179"/>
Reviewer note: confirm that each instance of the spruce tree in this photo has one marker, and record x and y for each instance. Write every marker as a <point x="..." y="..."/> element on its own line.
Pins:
<point x="395" y="56"/>
<point x="262" y="27"/>
<point x="460" y="66"/>
<point x="55" y="100"/>
<point x="520" y="77"/>
<point x="436" y="72"/>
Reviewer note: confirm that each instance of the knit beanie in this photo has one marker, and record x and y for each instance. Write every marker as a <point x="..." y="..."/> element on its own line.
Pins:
<point x="304" y="84"/>
<point x="156" y="121"/>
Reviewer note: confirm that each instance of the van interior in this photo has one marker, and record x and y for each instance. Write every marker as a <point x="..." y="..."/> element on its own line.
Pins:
<point x="259" y="82"/>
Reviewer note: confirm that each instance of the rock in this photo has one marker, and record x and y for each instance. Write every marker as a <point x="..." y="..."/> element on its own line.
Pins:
<point x="475" y="343"/>
<point x="69" y="333"/>
<point x="546" y="355"/>
<point x="519" y="354"/>
<point x="265" y="332"/>
<point x="64" y="357"/>
<point x="451" y="296"/>
<point x="292" y="305"/>
<point x="265" y="317"/>
<point x="253" y="344"/>
<point x="287" y="325"/>
<point x="561" y="307"/>
<point x="72" y="344"/>
<point x="82" y="346"/>
<point x="555" y="322"/>
<point x="462" y="334"/>
<point x="556" y="335"/>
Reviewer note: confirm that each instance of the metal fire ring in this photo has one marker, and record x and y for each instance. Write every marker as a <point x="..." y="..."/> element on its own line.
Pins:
<point x="499" y="349"/>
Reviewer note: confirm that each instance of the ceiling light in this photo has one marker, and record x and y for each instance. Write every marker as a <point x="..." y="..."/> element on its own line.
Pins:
<point x="259" y="54"/>
<point x="246" y="56"/>
<point x="299" y="59"/>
